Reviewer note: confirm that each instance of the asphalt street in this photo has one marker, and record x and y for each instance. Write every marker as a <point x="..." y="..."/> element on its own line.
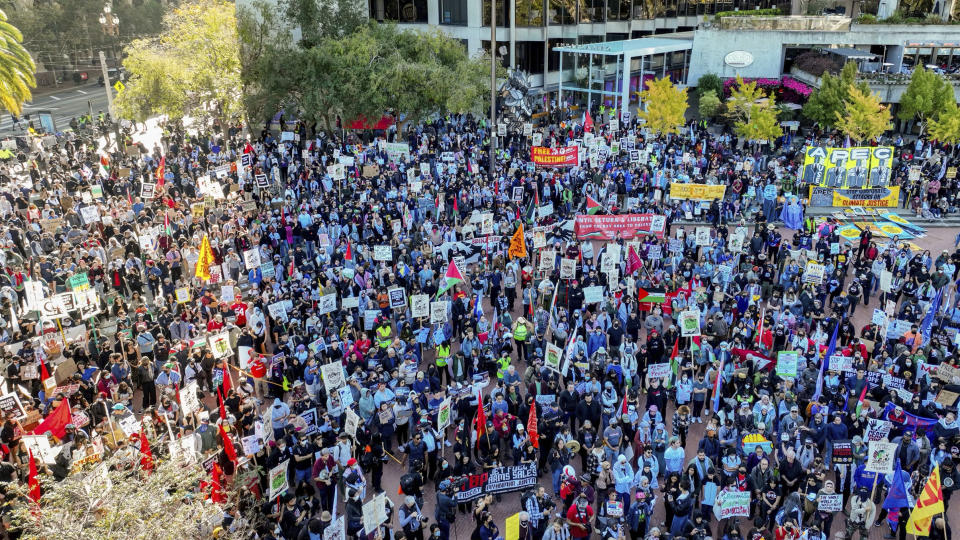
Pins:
<point x="65" y="105"/>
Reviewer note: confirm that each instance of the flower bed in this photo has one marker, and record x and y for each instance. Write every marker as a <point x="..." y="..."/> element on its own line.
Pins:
<point x="786" y="90"/>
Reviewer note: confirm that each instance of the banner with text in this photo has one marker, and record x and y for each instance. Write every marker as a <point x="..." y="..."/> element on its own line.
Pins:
<point x="627" y="226"/>
<point x="497" y="480"/>
<point x="564" y="156"/>
<point x="700" y="192"/>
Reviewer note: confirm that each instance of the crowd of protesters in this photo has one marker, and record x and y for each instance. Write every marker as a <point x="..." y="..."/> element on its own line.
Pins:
<point x="638" y="432"/>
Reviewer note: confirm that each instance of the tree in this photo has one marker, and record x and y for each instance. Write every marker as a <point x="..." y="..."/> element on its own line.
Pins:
<point x="710" y="82"/>
<point x="664" y="106"/>
<point x="946" y="128"/>
<point x="16" y="68"/>
<point x="375" y="68"/>
<point x="323" y="19"/>
<point x="927" y="95"/>
<point x="191" y="69"/>
<point x="99" y="504"/>
<point x="754" y="115"/>
<point x="829" y="99"/>
<point x="863" y="117"/>
<point x="709" y="104"/>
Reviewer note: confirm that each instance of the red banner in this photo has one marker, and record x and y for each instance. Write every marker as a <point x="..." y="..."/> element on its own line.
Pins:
<point x="565" y="156"/>
<point x="628" y="226"/>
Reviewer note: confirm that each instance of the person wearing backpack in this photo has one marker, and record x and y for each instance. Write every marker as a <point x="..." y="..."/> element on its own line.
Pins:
<point x="411" y="519"/>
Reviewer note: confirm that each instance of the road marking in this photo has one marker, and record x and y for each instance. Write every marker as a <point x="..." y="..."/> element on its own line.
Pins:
<point x="82" y="92"/>
<point x="55" y="98"/>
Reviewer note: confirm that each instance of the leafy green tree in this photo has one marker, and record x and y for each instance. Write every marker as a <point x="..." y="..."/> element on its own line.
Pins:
<point x="753" y="113"/>
<point x="946" y="127"/>
<point x="709" y="104"/>
<point x="322" y="19"/>
<point x="16" y="68"/>
<point x="360" y="74"/>
<point x="710" y="82"/>
<point x="863" y="117"/>
<point x="168" y="76"/>
<point x="927" y="95"/>
<point x="825" y="102"/>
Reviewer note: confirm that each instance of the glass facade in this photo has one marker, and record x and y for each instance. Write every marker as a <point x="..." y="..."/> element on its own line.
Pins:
<point x="502" y="19"/>
<point x="453" y="12"/>
<point x="404" y="11"/>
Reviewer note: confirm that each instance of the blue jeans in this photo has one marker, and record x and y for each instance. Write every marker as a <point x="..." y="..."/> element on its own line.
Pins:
<point x="556" y="481"/>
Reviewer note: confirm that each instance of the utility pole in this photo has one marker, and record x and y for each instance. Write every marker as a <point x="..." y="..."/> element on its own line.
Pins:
<point x="493" y="88"/>
<point x="106" y="88"/>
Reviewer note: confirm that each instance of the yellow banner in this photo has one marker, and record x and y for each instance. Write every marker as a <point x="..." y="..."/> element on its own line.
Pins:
<point x="851" y="168"/>
<point x="875" y="197"/>
<point x="702" y="192"/>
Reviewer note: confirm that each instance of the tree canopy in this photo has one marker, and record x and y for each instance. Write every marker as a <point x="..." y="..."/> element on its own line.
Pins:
<point x="358" y="74"/>
<point x="753" y="113"/>
<point x="927" y="95"/>
<point x="946" y="127"/>
<point x="665" y="106"/>
<point x="191" y="69"/>
<point x="829" y="99"/>
<point x="863" y="117"/>
<point x="16" y="68"/>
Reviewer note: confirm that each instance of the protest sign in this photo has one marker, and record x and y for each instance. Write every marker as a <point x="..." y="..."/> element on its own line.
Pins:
<point x="787" y="362"/>
<point x="658" y="371"/>
<point x="690" y="323"/>
<point x="842" y="452"/>
<point x="830" y="503"/>
<point x="398" y="298"/>
<point x="443" y="415"/>
<point x="593" y="295"/>
<point x="568" y="268"/>
<point x="438" y="312"/>
<point x="731" y="504"/>
<point x="552" y="357"/>
<point x="496" y="480"/>
<point x="880" y="456"/>
<point x="420" y="305"/>
<point x="332" y="376"/>
<point x="277" y="480"/>
<point x="877" y="429"/>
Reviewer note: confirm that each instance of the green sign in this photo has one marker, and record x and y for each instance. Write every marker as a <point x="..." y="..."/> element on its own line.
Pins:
<point x="79" y="282"/>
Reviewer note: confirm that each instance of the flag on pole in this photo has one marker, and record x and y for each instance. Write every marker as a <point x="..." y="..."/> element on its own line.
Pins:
<point x="717" y="386"/>
<point x="623" y="405"/>
<point x="451" y="277"/>
<point x="216" y="493"/>
<point x="929" y="504"/>
<point x="146" y="456"/>
<point x="674" y="363"/>
<point x="167" y="229"/>
<point x="518" y="246"/>
<point x="587" y="121"/>
<point x="228" y="444"/>
<point x="634" y="262"/>
<point x="481" y="418"/>
<point x="831" y="347"/>
<point x="223" y="409"/>
<point x="205" y="260"/>
<point x="530" y="215"/>
<point x="863" y="396"/>
<point x="348" y="256"/>
<point x="898" y="496"/>
<point x="927" y="325"/>
<point x="532" y="426"/>
<point x="478" y="305"/>
<point x="593" y="206"/>
<point x="161" y="171"/>
<point x="56" y="422"/>
<point x="32" y="481"/>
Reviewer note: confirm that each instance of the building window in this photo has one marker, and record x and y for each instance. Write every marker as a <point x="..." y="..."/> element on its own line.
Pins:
<point x="530" y="56"/>
<point x="562" y="12"/>
<point x="618" y="10"/>
<point x="592" y="11"/>
<point x="554" y="58"/>
<point x="502" y="13"/>
<point x="453" y="12"/>
<point x="529" y="12"/>
<point x="404" y="11"/>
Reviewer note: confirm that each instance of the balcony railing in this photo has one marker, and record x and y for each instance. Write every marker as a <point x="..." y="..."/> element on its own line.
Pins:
<point x="796" y="23"/>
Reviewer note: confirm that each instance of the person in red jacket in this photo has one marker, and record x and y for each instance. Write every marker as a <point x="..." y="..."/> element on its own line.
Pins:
<point x="579" y="517"/>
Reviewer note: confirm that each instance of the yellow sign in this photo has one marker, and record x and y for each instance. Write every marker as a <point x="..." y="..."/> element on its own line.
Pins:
<point x="853" y="168"/>
<point x="879" y="197"/>
<point x="951" y="172"/>
<point x="119" y="86"/>
<point x="702" y="192"/>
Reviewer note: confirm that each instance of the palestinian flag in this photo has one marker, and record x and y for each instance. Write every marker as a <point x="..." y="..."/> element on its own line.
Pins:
<point x="863" y="397"/>
<point x="674" y="363"/>
<point x="167" y="229"/>
<point x="530" y="216"/>
<point x="593" y="206"/>
<point x="105" y="165"/>
<point x="451" y="277"/>
<point x="654" y="295"/>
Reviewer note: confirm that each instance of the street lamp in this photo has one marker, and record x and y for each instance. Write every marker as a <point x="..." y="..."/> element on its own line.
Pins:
<point x="109" y="21"/>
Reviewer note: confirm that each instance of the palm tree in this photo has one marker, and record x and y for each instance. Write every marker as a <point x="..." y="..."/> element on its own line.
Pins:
<point x="16" y="68"/>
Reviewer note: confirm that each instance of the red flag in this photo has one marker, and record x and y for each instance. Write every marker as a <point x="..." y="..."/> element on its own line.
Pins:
<point x="248" y="149"/>
<point x="228" y="444"/>
<point x="455" y="209"/>
<point x="532" y="426"/>
<point x="223" y="410"/>
<point x="57" y="421"/>
<point x="146" y="456"/>
<point x="44" y="374"/>
<point x="216" y="494"/>
<point x="633" y="261"/>
<point x="348" y="256"/>
<point x="587" y="122"/>
<point x="161" y="171"/>
<point x="32" y="480"/>
<point x="623" y="405"/>
<point x="227" y="379"/>
<point x="481" y="418"/>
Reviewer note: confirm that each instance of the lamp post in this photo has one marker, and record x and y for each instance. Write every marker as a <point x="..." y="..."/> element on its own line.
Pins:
<point x="111" y="26"/>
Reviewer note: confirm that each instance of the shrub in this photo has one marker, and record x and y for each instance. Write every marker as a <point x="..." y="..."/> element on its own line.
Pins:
<point x="710" y="82"/>
<point x="709" y="104"/>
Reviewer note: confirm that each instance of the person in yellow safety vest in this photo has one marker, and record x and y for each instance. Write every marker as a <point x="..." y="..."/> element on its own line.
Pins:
<point x="502" y="364"/>
<point x="521" y="332"/>
<point x="442" y="361"/>
<point x="383" y="334"/>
